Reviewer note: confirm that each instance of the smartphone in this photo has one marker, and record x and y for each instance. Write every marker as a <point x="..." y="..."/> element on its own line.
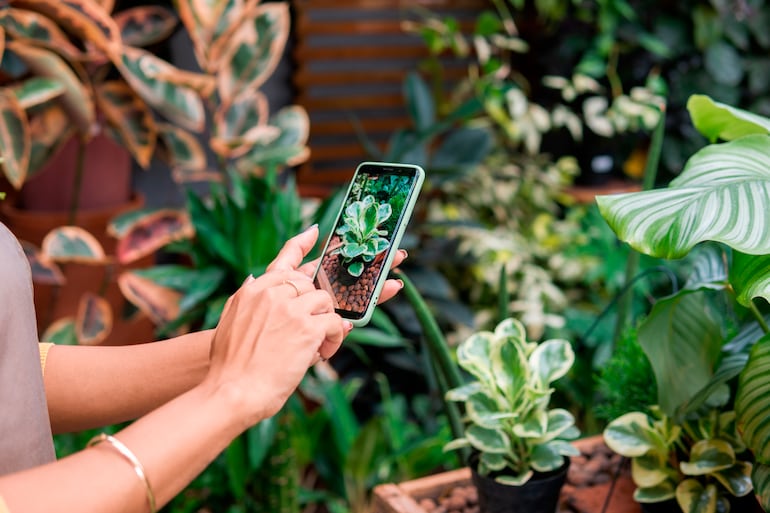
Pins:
<point x="360" y="249"/>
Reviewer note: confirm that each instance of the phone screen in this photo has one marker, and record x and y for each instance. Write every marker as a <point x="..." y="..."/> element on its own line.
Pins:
<point x="368" y="229"/>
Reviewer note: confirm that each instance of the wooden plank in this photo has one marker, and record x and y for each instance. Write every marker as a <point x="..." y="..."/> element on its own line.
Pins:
<point x="351" y="102"/>
<point x="304" y="51"/>
<point x="367" y="124"/>
<point x="380" y="4"/>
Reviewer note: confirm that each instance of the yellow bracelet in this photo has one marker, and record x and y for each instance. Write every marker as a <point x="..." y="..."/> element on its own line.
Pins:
<point x="126" y="453"/>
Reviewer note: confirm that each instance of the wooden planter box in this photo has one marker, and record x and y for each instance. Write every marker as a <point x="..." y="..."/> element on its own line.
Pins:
<point x="588" y="484"/>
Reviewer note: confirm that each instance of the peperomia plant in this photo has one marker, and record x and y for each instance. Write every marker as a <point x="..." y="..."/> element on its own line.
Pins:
<point x="695" y="462"/>
<point x="508" y="421"/>
<point x="362" y="240"/>
<point x="722" y="196"/>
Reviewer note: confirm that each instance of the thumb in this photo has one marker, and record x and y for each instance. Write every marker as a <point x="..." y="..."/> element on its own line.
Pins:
<point x="294" y="251"/>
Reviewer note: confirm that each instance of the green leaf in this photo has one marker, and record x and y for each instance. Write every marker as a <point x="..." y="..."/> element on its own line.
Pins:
<point x="750" y="277"/>
<point x="551" y="360"/>
<point x="649" y="470"/>
<point x="659" y="493"/>
<point x="484" y="410"/>
<point x="721" y="195"/>
<point x="37" y="90"/>
<point x="260" y="439"/>
<point x="724" y="64"/>
<point x="15" y="144"/>
<point x="737" y="479"/>
<point x="474" y="355"/>
<point x="356" y="268"/>
<point x="546" y="457"/>
<point x="760" y="477"/>
<point x="752" y="401"/>
<point x="419" y="102"/>
<point x="717" y="120"/>
<point x="682" y="339"/>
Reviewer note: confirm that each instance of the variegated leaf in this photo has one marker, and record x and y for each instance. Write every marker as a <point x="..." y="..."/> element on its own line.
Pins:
<point x="736" y="479"/>
<point x="180" y="104"/>
<point x="241" y="124"/>
<point x="484" y="411"/>
<point x="628" y="436"/>
<point x="707" y="456"/>
<point x="201" y="18"/>
<point x="510" y="369"/>
<point x="49" y="130"/>
<point x="36" y="91"/>
<point x="15" y="142"/>
<point x="515" y="480"/>
<point x="752" y="401"/>
<point x="547" y="457"/>
<point x="488" y="440"/>
<point x="93" y="322"/>
<point x="72" y="244"/>
<point x="721" y="196"/>
<point x="551" y="360"/>
<point x="288" y="149"/>
<point x="649" y="470"/>
<point x="693" y="497"/>
<point x="130" y="117"/>
<point x="474" y="355"/>
<point x="152" y="232"/>
<point x="161" y="304"/>
<point x="24" y="24"/>
<point x="254" y="50"/>
<point x="760" y="477"/>
<point x="85" y="18"/>
<point x="532" y="426"/>
<point x="61" y="331"/>
<point x="493" y="461"/>
<point x="716" y="120"/>
<point x="559" y="421"/>
<point x="145" y="25"/>
<point x="76" y="98"/>
<point x="662" y="492"/>
<point x="43" y="269"/>
<point x="181" y="149"/>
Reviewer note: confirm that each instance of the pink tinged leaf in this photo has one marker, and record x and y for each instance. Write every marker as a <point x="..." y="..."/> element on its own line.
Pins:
<point x="50" y="130"/>
<point x="201" y="18"/>
<point x="254" y="50"/>
<point x="75" y="100"/>
<point x="241" y="124"/>
<point x="152" y="232"/>
<point x="131" y="119"/>
<point x="36" y="91"/>
<point x="44" y="270"/>
<point x="86" y="19"/>
<point x="181" y="149"/>
<point x="180" y="104"/>
<point x="94" y="320"/>
<point x="61" y="331"/>
<point x="72" y="244"/>
<point x="145" y="25"/>
<point x="2" y="40"/>
<point x="15" y="142"/>
<point x="30" y="25"/>
<point x="160" y="304"/>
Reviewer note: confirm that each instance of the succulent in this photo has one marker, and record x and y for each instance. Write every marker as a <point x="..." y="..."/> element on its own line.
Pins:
<point x="362" y="240"/>
<point x="508" y="420"/>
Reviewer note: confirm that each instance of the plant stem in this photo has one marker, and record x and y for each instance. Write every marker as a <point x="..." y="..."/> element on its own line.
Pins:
<point x="758" y="316"/>
<point x="78" y="181"/>
<point x="632" y="263"/>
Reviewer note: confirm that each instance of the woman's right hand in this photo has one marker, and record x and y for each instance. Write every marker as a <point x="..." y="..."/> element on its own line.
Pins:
<point x="268" y="336"/>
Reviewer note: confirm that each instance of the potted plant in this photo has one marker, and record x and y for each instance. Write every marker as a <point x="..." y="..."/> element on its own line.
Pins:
<point x="519" y="447"/>
<point x="361" y="238"/>
<point x="714" y="327"/>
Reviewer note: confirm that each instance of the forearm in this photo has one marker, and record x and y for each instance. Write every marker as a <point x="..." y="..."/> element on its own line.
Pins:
<point x="174" y="443"/>
<point x="95" y="386"/>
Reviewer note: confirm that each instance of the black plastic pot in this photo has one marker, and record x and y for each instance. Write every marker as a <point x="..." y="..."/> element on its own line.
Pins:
<point x="538" y="495"/>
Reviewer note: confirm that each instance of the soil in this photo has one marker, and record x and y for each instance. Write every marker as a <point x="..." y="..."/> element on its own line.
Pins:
<point x="589" y="482"/>
<point x="352" y="293"/>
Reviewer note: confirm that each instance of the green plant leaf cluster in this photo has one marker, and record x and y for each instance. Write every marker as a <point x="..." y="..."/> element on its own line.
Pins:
<point x="506" y="403"/>
<point x="718" y="198"/>
<point x="362" y="239"/>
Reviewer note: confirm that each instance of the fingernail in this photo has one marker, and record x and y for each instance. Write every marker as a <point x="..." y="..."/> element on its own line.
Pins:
<point x="248" y="279"/>
<point x="400" y="284"/>
<point x="315" y="225"/>
<point x="404" y="252"/>
<point x="348" y="325"/>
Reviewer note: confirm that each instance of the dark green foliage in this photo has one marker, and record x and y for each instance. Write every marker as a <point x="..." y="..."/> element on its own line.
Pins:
<point x="626" y="383"/>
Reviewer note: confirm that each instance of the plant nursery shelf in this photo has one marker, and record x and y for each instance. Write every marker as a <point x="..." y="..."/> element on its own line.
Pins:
<point x="589" y="483"/>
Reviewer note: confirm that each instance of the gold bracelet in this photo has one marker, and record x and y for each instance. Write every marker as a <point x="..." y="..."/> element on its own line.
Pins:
<point x="126" y="453"/>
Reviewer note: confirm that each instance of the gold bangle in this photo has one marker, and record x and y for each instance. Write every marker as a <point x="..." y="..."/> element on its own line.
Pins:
<point x="126" y="453"/>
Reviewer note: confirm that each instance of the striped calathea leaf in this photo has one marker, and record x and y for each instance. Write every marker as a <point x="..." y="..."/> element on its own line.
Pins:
<point x="509" y="424"/>
<point x="722" y="196"/>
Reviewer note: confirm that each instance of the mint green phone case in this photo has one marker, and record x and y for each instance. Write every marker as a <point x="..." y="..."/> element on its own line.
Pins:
<point x="355" y="297"/>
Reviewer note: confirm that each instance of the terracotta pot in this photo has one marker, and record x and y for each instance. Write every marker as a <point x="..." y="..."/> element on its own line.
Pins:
<point x="54" y="302"/>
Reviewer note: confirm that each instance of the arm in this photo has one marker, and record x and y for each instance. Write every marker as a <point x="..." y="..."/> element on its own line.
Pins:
<point x="267" y="337"/>
<point x="88" y="387"/>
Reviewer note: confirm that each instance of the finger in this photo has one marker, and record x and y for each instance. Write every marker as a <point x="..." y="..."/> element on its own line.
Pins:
<point x="389" y="289"/>
<point x="316" y="302"/>
<point x="398" y="258"/>
<point x="309" y="267"/>
<point x="298" y="287"/>
<point x="295" y="250"/>
<point x="331" y="344"/>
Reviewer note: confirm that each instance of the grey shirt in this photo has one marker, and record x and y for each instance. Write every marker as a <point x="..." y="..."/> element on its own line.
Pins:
<point x="25" y="430"/>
